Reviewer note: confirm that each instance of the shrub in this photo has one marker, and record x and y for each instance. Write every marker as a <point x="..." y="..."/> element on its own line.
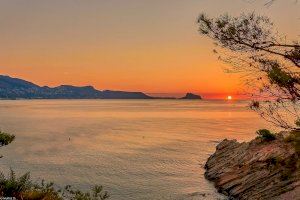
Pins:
<point x="12" y="186"/>
<point x="23" y="188"/>
<point x="6" y="138"/>
<point x="96" y="193"/>
<point x="265" y="135"/>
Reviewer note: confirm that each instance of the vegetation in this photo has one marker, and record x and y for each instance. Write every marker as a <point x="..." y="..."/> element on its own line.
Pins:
<point x="266" y="135"/>
<point x="23" y="188"/>
<point x="269" y="63"/>
<point x="96" y="193"/>
<point x="270" y="66"/>
<point x="12" y="187"/>
<point x="6" y="138"/>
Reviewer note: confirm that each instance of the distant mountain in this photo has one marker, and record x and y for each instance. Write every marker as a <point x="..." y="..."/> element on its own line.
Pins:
<point x="14" y="88"/>
<point x="191" y="96"/>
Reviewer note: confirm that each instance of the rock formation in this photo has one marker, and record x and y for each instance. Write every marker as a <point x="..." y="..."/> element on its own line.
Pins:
<point x="191" y="96"/>
<point x="256" y="169"/>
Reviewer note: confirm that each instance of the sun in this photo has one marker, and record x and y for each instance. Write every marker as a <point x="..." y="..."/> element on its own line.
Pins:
<point x="229" y="97"/>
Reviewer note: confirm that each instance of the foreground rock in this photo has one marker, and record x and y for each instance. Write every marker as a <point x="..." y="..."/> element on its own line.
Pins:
<point x="255" y="170"/>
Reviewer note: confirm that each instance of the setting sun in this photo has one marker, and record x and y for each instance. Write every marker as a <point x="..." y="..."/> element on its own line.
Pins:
<point x="229" y="98"/>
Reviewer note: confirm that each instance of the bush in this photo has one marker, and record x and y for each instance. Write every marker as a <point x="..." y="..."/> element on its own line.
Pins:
<point x="12" y="186"/>
<point x="265" y="135"/>
<point x="96" y="193"/>
<point x="23" y="188"/>
<point x="6" y="138"/>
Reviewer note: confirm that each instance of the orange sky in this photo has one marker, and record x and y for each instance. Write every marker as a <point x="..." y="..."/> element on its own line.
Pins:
<point x="134" y="45"/>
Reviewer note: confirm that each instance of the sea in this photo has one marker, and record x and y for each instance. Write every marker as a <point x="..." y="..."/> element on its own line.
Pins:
<point x="135" y="149"/>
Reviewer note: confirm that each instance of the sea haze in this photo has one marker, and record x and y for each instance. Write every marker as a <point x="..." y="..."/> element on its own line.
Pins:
<point x="137" y="149"/>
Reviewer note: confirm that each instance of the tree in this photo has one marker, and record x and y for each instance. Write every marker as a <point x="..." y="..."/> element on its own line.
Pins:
<point x="270" y="63"/>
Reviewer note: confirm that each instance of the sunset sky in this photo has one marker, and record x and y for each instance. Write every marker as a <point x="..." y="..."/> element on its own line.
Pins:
<point x="134" y="45"/>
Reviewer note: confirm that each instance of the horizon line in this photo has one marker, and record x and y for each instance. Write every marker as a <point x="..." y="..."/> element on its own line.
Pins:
<point x="205" y="95"/>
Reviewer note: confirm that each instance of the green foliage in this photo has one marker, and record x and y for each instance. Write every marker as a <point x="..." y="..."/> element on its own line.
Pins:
<point x="13" y="186"/>
<point x="6" y="138"/>
<point x="265" y="135"/>
<point x="241" y="33"/>
<point x="269" y="65"/>
<point x="43" y="191"/>
<point x="278" y="76"/>
<point x="96" y="193"/>
<point x="23" y="188"/>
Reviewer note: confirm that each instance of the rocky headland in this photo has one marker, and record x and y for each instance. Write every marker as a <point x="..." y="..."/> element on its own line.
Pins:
<point x="191" y="96"/>
<point x="257" y="169"/>
<point x="15" y="88"/>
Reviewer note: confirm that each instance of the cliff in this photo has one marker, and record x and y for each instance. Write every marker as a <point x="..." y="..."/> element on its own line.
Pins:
<point x="257" y="169"/>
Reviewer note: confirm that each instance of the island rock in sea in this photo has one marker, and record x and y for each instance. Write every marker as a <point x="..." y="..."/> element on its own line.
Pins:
<point x="191" y="96"/>
<point x="256" y="169"/>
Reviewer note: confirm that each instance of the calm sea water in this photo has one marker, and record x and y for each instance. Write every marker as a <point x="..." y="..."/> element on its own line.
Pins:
<point x="137" y="149"/>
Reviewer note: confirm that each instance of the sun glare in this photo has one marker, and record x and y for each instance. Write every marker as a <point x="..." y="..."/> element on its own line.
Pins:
<point x="229" y="98"/>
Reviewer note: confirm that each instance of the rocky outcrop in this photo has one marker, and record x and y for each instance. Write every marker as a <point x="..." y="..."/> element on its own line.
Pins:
<point x="191" y="96"/>
<point x="255" y="170"/>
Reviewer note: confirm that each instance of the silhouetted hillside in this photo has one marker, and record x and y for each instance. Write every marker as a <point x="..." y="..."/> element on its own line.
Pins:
<point x="14" y="88"/>
<point x="191" y="96"/>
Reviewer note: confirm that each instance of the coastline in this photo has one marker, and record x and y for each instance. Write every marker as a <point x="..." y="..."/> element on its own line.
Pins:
<point x="255" y="169"/>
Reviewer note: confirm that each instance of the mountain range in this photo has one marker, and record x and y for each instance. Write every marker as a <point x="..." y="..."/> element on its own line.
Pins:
<point x="15" y="88"/>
